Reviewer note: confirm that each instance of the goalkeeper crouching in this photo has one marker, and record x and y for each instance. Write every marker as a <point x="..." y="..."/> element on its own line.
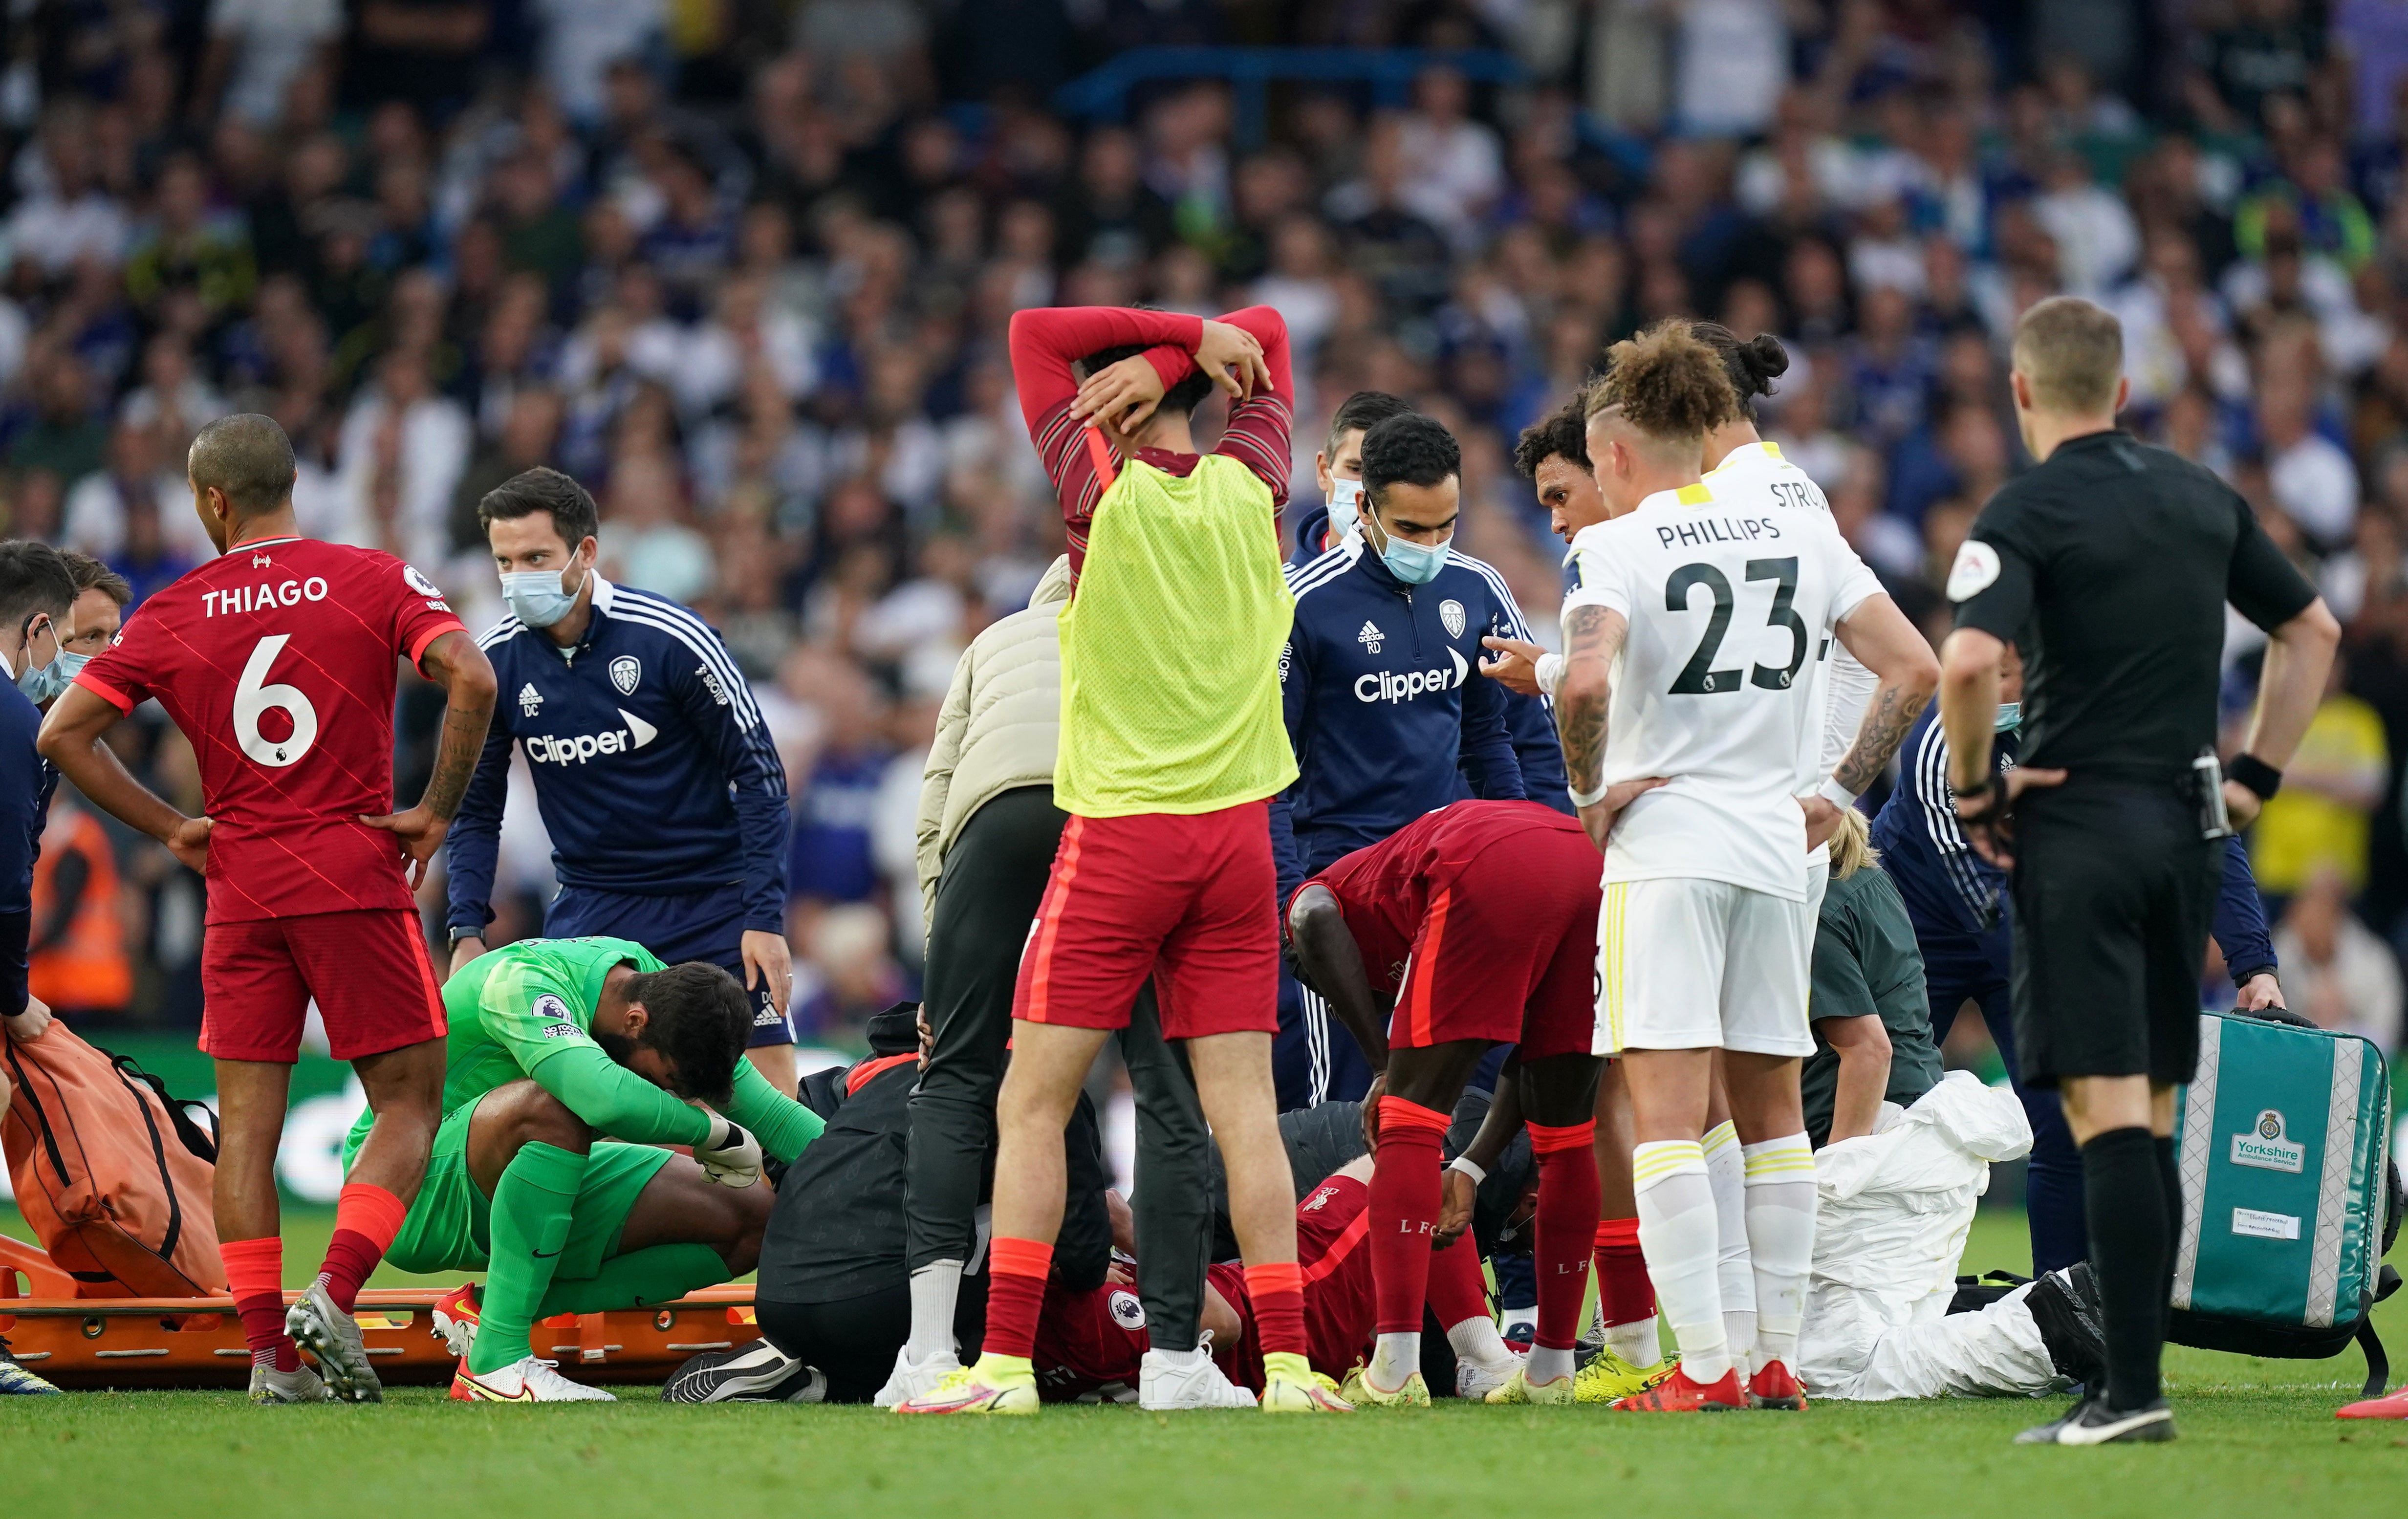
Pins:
<point x="556" y="1048"/>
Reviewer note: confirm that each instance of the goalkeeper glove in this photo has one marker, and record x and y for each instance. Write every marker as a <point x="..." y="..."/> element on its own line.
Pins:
<point x="730" y="1156"/>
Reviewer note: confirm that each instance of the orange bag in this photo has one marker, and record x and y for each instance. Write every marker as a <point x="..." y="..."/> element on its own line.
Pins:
<point x="111" y="1172"/>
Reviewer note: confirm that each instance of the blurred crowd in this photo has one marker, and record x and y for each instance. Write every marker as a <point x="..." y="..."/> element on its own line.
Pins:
<point x="744" y="268"/>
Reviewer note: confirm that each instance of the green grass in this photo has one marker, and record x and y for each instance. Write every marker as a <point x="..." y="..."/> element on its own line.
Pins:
<point x="2258" y="1438"/>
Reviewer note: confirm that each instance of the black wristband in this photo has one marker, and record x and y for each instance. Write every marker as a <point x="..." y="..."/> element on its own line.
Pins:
<point x="2253" y="774"/>
<point x="1989" y="784"/>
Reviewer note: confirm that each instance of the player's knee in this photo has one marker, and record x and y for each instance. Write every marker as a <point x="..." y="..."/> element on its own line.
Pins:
<point x="531" y="1115"/>
<point x="744" y="1216"/>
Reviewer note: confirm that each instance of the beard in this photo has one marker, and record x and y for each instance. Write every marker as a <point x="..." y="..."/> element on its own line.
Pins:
<point x="618" y="1047"/>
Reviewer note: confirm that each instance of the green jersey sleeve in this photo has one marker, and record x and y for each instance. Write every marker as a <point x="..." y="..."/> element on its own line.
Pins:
<point x="782" y="1124"/>
<point x="531" y="1011"/>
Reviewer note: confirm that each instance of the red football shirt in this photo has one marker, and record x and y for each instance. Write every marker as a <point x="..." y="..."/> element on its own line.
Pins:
<point x="1384" y="890"/>
<point x="276" y="660"/>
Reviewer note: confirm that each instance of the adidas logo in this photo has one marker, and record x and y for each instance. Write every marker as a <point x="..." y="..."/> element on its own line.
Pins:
<point x="1371" y="637"/>
<point x="530" y="699"/>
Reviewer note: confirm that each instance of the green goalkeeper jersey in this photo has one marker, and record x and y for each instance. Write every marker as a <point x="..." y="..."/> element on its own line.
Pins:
<point x="526" y="1011"/>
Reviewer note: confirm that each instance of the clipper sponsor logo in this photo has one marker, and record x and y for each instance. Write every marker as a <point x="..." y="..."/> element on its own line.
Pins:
<point x="1706" y="530"/>
<point x="1404" y="685"/>
<point x="577" y="749"/>
<point x="2265" y="1148"/>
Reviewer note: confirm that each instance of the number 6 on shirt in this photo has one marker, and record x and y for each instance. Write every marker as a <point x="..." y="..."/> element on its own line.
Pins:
<point x="252" y="697"/>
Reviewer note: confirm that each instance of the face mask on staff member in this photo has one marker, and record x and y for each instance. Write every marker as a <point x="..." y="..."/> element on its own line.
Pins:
<point x="1411" y="526"/>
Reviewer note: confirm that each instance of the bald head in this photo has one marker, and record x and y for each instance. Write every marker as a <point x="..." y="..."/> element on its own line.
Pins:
<point x="246" y="459"/>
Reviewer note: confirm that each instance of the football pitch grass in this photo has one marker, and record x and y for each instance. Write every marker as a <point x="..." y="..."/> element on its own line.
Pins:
<point x="2258" y="1438"/>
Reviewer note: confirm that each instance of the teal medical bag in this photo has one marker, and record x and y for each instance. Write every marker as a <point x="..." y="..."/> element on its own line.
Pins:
<point x="2290" y="1198"/>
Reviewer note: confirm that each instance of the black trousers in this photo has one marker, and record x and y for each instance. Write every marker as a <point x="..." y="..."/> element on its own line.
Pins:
<point x="993" y="880"/>
<point x="853" y="1341"/>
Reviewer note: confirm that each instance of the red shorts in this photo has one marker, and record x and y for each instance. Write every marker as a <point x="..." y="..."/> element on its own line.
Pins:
<point x="1507" y="951"/>
<point x="1188" y="900"/>
<point x="367" y="971"/>
<point x="1333" y="1226"/>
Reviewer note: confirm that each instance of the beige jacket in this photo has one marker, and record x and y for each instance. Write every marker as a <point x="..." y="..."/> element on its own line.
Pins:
<point x="1000" y="725"/>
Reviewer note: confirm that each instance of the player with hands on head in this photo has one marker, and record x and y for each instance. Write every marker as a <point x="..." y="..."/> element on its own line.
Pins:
<point x="277" y="661"/>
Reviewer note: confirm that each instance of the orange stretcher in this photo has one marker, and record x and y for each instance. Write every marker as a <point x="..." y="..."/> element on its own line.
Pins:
<point x="88" y="1343"/>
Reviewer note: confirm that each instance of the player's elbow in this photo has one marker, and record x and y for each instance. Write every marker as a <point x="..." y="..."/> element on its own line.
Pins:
<point x="1967" y="658"/>
<point x="473" y="686"/>
<point x="2315" y="630"/>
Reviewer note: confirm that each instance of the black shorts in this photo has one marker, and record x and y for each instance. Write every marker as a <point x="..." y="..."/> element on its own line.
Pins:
<point x="2113" y="889"/>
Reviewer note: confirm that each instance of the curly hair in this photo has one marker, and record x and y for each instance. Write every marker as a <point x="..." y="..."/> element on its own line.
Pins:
<point x="1666" y="383"/>
<point x="1751" y="366"/>
<point x="1563" y="432"/>
<point x="1410" y="449"/>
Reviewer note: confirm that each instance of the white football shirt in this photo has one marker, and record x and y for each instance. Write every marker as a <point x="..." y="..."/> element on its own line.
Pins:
<point x="1730" y="589"/>
<point x="1847" y="686"/>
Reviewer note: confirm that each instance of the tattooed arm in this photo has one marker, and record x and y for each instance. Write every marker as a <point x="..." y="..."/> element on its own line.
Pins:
<point x="457" y="664"/>
<point x="1593" y="637"/>
<point x="1885" y="643"/>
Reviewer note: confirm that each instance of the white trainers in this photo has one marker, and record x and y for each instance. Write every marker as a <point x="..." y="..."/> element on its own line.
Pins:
<point x="333" y="1337"/>
<point x="299" y="1386"/>
<point x="1166" y="1380"/>
<point x="913" y="1379"/>
<point x="532" y="1380"/>
<point x="1474" y="1382"/>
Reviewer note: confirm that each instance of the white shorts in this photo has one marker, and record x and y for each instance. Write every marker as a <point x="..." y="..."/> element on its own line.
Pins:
<point x="1700" y="964"/>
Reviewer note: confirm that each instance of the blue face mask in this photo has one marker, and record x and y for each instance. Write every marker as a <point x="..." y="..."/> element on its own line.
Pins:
<point x="43" y="682"/>
<point x="2011" y="717"/>
<point x="1344" y="496"/>
<point x="1416" y="564"/>
<point x="536" y="597"/>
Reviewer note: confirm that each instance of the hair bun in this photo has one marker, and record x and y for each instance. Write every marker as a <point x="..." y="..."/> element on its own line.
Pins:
<point x="1765" y="357"/>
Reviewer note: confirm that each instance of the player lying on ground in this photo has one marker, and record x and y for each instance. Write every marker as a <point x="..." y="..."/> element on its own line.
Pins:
<point x="1477" y="925"/>
<point x="558" y="1047"/>
<point x="278" y="660"/>
<point x="1089" y="1343"/>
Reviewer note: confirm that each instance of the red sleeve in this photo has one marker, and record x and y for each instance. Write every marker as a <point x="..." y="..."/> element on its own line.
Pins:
<point x="419" y="615"/>
<point x="1259" y="425"/>
<point x="121" y="674"/>
<point x="1045" y="341"/>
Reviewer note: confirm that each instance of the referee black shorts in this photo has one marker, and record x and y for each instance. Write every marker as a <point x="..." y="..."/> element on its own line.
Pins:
<point x="2112" y="890"/>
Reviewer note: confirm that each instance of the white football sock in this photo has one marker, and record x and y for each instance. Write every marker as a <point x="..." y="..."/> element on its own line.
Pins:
<point x="1780" y="1241"/>
<point x="1477" y="1340"/>
<point x="1547" y="1364"/>
<point x="934" y="1289"/>
<point x="1677" y="1234"/>
<point x="1176" y="1359"/>
<point x="1394" y="1357"/>
<point x="1513" y="1317"/>
<point x="1726" y="1168"/>
<point x="1637" y="1343"/>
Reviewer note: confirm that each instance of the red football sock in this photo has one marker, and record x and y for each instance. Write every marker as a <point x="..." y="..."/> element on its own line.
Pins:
<point x="1404" y="1211"/>
<point x="1457" y="1291"/>
<point x="255" y="1277"/>
<point x="1565" y="1227"/>
<point x="366" y="1217"/>
<point x="1277" y="1288"/>
<point x="1015" y="1293"/>
<point x="1624" y="1294"/>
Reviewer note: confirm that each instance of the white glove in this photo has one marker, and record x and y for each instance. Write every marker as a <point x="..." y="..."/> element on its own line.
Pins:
<point x="730" y="1156"/>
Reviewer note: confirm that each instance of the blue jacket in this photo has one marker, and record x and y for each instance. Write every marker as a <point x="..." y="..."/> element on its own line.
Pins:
<point x="1950" y="891"/>
<point x="654" y="772"/>
<point x="1529" y="721"/>
<point x="1382" y="700"/>
<point x="27" y="782"/>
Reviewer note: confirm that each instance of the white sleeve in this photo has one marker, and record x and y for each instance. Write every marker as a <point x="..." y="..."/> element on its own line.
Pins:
<point x="1852" y="581"/>
<point x="1600" y="578"/>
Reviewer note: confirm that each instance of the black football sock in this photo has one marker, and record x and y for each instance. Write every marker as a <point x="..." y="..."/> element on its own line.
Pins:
<point x="2131" y="1241"/>
<point x="2170" y="1182"/>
